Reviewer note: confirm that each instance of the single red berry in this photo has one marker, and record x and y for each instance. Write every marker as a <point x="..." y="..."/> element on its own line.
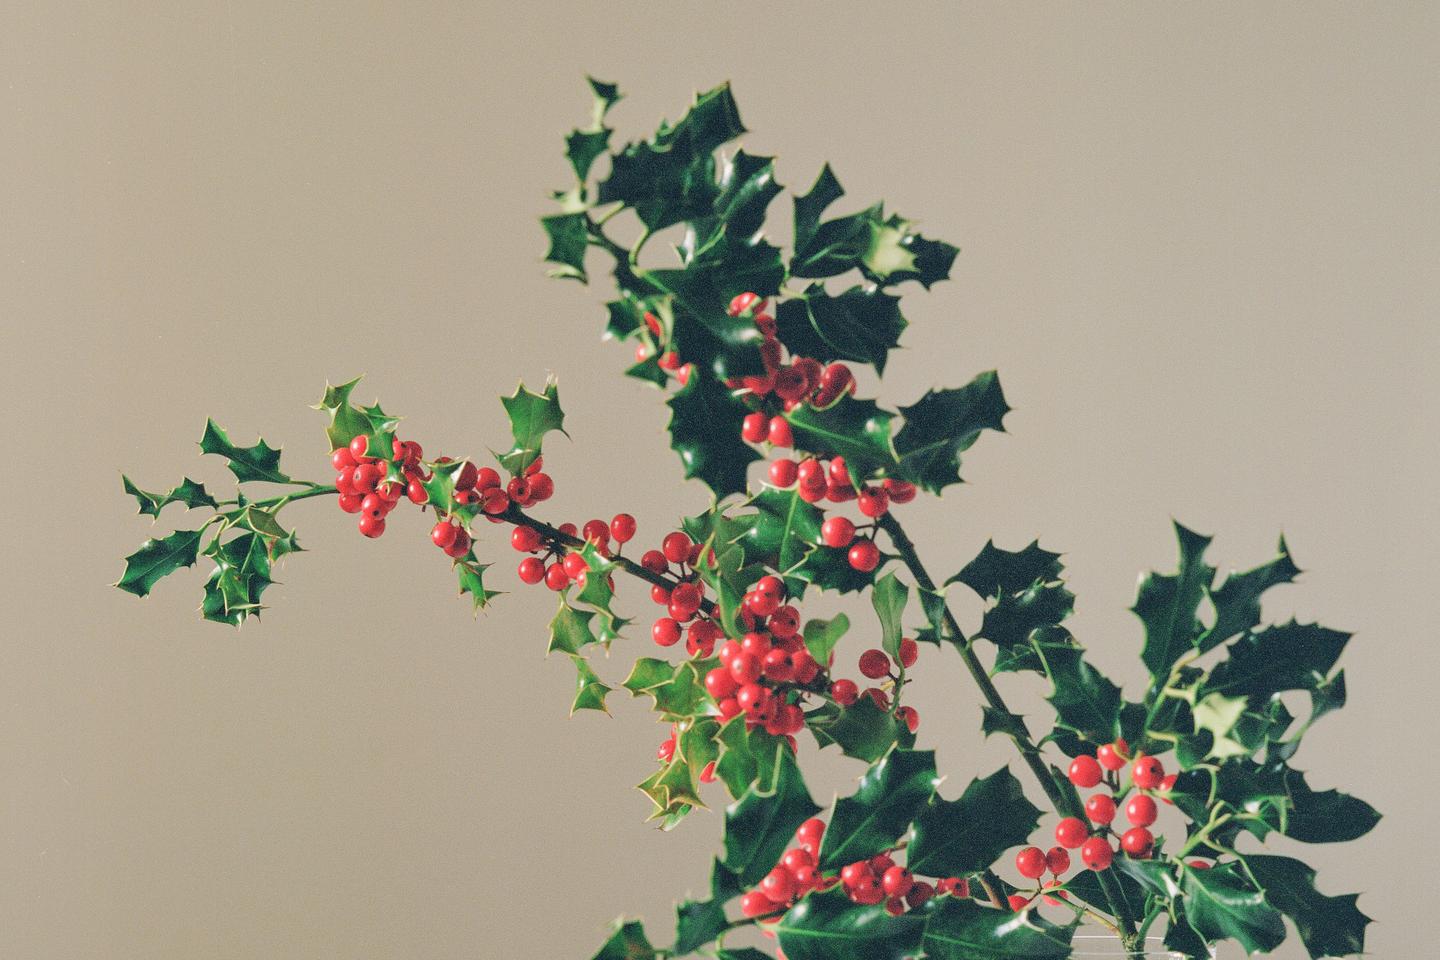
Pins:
<point x="778" y="885"/>
<point x="374" y="505"/>
<point x="920" y="894"/>
<point x="1141" y="810"/>
<point x="770" y="584"/>
<point x="864" y="556"/>
<point x="390" y="491"/>
<point x="896" y="881"/>
<point x="358" y="445"/>
<point x="1057" y="860"/>
<point x="487" y="479"/>
<point x="532" y="570"/>
<point x="1017" y="902"/>
<point x="1100" y="808"/>
<point x="753" y="698"/>
<point x="1112" y="755"/>
<point x="1085" y="772"/>
<point x="685" y="598"/>
<point x="756" y="904"/>
<point x="1030" y="862"/>
<point x="755" y="427"/>
<point x="785" y="622"/>
<point x="556" y="578"/>
<point x="782" y="473"/>
<point x="574" y="565"/>
<point x="342" y="460"/>
<point x="541" y="487"/>
<point x="654" y="561"/>
<point x="371" y="525"/>
<point x="746" y="668"/>
<point x="755" y="644"/>
<point x="895" y="906"/>
<point x="596" y="531"/>
<point x="1167" y="785"/>
<point x="779" y="433"/>
<point x="351" y="502"/>
<point x="837" y="377"/>
<point x="443" y="534"/>
<point x="1071" y="832"/>
<point x="877" y="696"/>
<point x="791" y="383"/>
<point x="874" y="664"/>
<point x="901" y="491"/>
<point x="1137" y="841"/>
<point x="518" y="489"/>
<point x="742" y="302"/>
<point x="845" y="692"/>
<point x="525" y="539"/>
<point x="1052" y="900"/>
<point x="853" y="874"/>
<point x="797" y="857"/>
<point x="867" y="892"/>
<point x="837" y="532"/>
<point x="496" y="501"/>
<point x="809" y="834"/>
<point x="909" y="652"/>
<point x="707" y="772"/>
<point x="364" y="477"/>
<point x="909" y="716"/>
<point x="1199" y="865"/>
<point x="1096" y="853"/>
<point x="676" y="547"/>
<point x="460" y="546"/>
<point x="622" y="527"/>
<point x="729" y="707"/>
<point x="416" y="491"/>
<point x="669" y="360"/>
<point x="1147" y="772"/>
<point x="666" y="750"/>
<point x="665" y="632"/>
<point x="778" y="667"/>
<point x="873" y="502"/>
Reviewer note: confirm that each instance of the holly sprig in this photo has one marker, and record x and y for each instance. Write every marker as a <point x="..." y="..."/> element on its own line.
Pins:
<point x="752" y="344"/>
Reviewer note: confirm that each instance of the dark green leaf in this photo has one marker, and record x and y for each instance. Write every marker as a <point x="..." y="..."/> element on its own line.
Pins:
<point x="748" y="756"/>
<point x="858" y="325"/>
<point x="569" y="240"/>
<point x="889" y="598"/>
<point x="1329" y="926"/>
<point x="858" y="430"/>
<point x="827" y="926"/>
<point x="260" y="462"/>
<point x="870" y="820"/>
<point x="895" y="254"/>
<point x="822" y="635"/>
<point x="158" y="558"/>
<point x="346" y="421"/>
<point x="628" y="942"/>
<point x="532" y="415"/>
<point x="1221" y="902"/>
<point x="472" y="583"/>
<point x="570" y="630"/>
<point x="965" y="930"/>
<point x="705" y="432"/>
<point x="1237" y="599"/>
<point x="589" y="690"/>
<point x="747" y="185"/>
<point x="1168" y="604"/>
<point x="943" y="424"/>
<point x="697" y="922"/>
<point x="241" y="574"/>
<point x="996" y="721"/>
<point x="785" y="528"/>
<point x="188" y="492"/>
<point x="861" y="730"/>
<point x="1084" y="699"/>
<point x="1290" y="656"/>
<point x="995" y="571"/>
<point x="1010" y="622"/>
<point x="1325" y="816"/>
<point x="957" y="837"/>
<point x="763" y="821"/>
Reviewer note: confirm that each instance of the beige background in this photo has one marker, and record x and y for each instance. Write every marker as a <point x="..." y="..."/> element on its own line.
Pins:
<point x="1199" y="243"/>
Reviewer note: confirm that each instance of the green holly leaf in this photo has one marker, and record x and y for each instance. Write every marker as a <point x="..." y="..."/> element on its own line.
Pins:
<point x="870" y="820"/>
<point x="1237" y="599"/>
<point x="956" y="837"/>
<point x="260" y="462"/>
<point x="569" y="239"/>
<point x="994" y="721"/>
<point x="697" y="922"/>
<point x="678" y="689"/>
<point x="158" y="558"/>
<point x="858" y="430"/>
<point x="589" y="690"/>
<point x="1168" y="604"/>
<point x="860" y="325"/>
<point x="472" y="582"/>
<point x="188" y="492"/>
<point x="828" y="569"/>
<point x="705" y="432"/>
<point x="895" y="253"/>
<point x="346" y="421"/>
<point x="1325" y="816"/>
<point x="747" y="185"/>
<point x="829" y="248"/>
<point x="889" y="598"/>
<point x="1221" y="902"/>
<point x="1289" y="656"/>
<point x="1084" y="699"/>
<point x="861" y="730"/>
<point x="570" y="630"/>
<point x="1182" y="938"/>
<point x="822" y="635"/>
<point x="746" y="756"/>
<point x="1015" y="618"/>
<point x="628" y="942"/>
<point x="583" y="147"/>
<point x="827" y="926"/>
<point x="943" y="424"/>
<point x="965" y="930"/>
<point x="241" y="574"/>
<point x="995" y="572"/>
<point x="784" y="529"/>
<point x="532" y="415"/>
<point x="440" y="491"/>
<point x="703" y="331"/>
<point x="760" y="825"/>
<point x="1328" y="926"/>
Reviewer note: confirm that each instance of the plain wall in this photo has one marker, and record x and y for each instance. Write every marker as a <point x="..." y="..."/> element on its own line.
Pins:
<point x="1199" y="243"/>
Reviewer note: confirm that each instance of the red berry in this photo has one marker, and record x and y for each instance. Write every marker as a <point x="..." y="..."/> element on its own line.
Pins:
<point x="901" y="491"/>
<point x="874" y="664"/>
<point x="746" y="668"/>
<point x="778" y="885"/>
<point x="867" y="892"/>
<point x="532" y="570"/>
<point x="654" y="561"/>
<point x="460" y="546"/>
<point x="809" y="834"/>
<point x="729" y="707"/>
<point x="374" y="505"/>
<point x="342" y="460"/>
<point x="837" y="532"/>
<point x="1017" y="902"/>
<point x="753" y="698"/>
<point x="777" y="666"/>
<point x="1141" y="810"/>
<point x="1057" y="860"/>
<point x="685" y="598"/>
<point x="756" y="904"/>
<point x="920" y="893"/>
<point x="351" y="503"/>
<point x="1030" y="862"/>
<point x="666" y="750"/>
<point x="1100" y="808"/>
<point x="371" y="525"/>
<point x="909" y="716"/>
<point x="853" y="874"/>
<point x="541" y="487"/>
<point x="877" y="696"/>
<point x="1137" y="841"/>
<point x="873" y="502"/>
<point x="742" y="302"/>
<point x="487" y="479"/>
<point x="896" y="881"/>
<point x="358" y="445"/>
<point x="1199" y="865"/>
<point x="845" y="692"/>
<point x="796" y="858"/>
<point x="416" y="491"/>
<point x="754" y="428"/>
<point x="707" y="772"/>
<point x="1085" y="772"/>
<point x="364" y="477"/>
<point x="496" y="501"/>
<point x="755" y="644"/>
<point x="1167" y="785"/>
<point x="837" y="377"/>
<point x="1062" y="895"/>
<point x="556" y="578"/>
<point x="783" y="473"/>
<point x="779" y="433"/>
<point x="676" y="547"/>
<point x="1112" y="755"/>
<point x="1147" y="773"/>
<point x="574" y="565"/>
<point x="525" y="539"/>
<point x="596" y="531"/>
<point x="666" y="632"/>
<point x="1071" y="832"/>
<point x="1096" y="853"/>
<point x="518" y="489"/>
<point x="864" y="556"/>
<point x="443" y="534"/>
<point x="622" y="527"/>
<point x="909" y="652"/>
<point x="784" y="622"/>
<point x="771" y="585"/>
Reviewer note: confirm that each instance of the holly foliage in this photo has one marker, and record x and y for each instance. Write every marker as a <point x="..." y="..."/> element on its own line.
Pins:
<point x="750" y="342"/>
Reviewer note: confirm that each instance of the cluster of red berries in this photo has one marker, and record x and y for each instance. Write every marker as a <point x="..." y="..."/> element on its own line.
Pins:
<point x="802" y="380"/>
<point x="1033" y="863"/>
<point x="557" y="567"/>
<point x="876" y="665"/>
<point x="481" y="485"/>
<point x="666" y="752"/>
<point x="684" y="602"/>
<point x="871" y="881"/>
<point x="765" y="673"/>
<point x="1147" y="774"/>
<point x="366" y="487"/>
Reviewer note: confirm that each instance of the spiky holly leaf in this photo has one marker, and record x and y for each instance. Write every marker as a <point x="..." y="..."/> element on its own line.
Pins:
<point x="157" y="559"/>
<point x="472" y="583"/>
<point x="994" y="721"/>
<point x="569" y="239"/>
<point x="241" y="574"/>
<point x="889" y="599"/>
<point x="346" y="421"/>
<point x="260" y="462"/>
<point x="956" y="837"/>
<point x="1328" y="926"/>
<point x="1222" y="902"/>
<point x="570" y="630"/>
<point x="627" y="942"/>
<point x="827" y="926"/>
<point x="697" y="922"/>
<point x="590" y="691"/>
<point x="747" y="755"/>
<point x="671" y="177"/>
<point x="1237" y="599"/>
<point x="828" y="569"/>
<point x="1085" y="886"/>
<point x="861" y="730"/>
<point x="1182" y="938"/>
<point x="995" y="571"/>
<point x="762" y="822"/>
<point x="1168" y="605"/>
<point x="1325" y="816"/>
<point x="1084" y="699"/>
<point x="858" y="430"/>
<point x="678" y="689"/>
<point x="703" y="331"/>
<point x="834" y="246"/>
<point x="584" y="146"/>
<point x="784" y="529"/>
<point x="675" y="787"/>
<point x="822" y="635"/>
<point x="598" y="594"/>
<point x="943" y="424"/>
<point x="188" y="492"/>
<point x="747" y="185"/>
<point x="532" y="415"/>
<point x="860" y="325"/>
<point x="1288" y="656"/>
<point x="897" y="253"/>
<point x="965" y="930"/>
<point x="705" y="432"/>
<point x="870" y="820"/>
<point x="440" y="491"/>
